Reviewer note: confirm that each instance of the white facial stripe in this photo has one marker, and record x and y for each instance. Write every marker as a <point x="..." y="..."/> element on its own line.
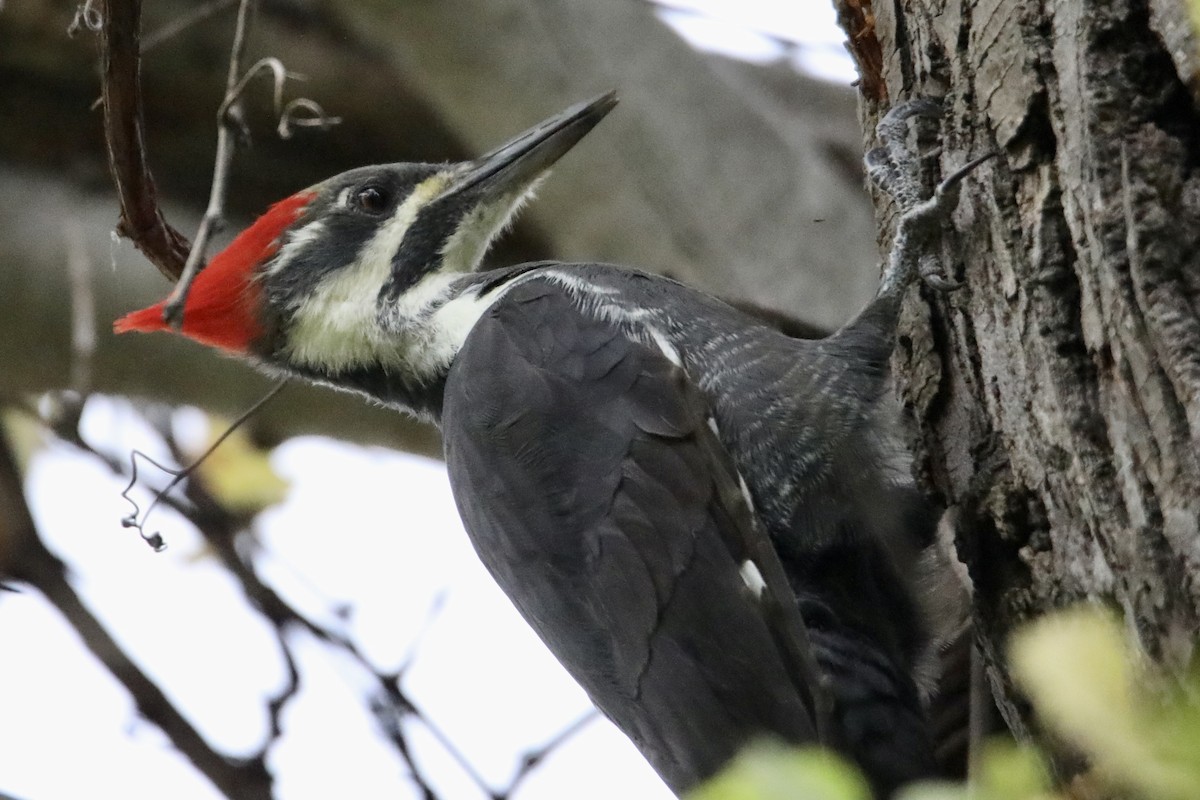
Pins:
<point x="336" y="327"/>
<point x="340" y="325"/>
<point x="434" y="329"/>
<point x="297" y="240"/>
<point x="419" y="335"/>
<point x="377" y="253"/>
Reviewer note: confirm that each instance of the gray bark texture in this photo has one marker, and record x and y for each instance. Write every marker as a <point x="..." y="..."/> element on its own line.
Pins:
<point x="1057" y="392"/>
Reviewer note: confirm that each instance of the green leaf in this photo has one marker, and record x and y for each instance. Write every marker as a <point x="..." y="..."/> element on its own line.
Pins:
<point x="1010" y="771"/>
<point x="26" y="436"/>
<point x="938" y="791"/>
<point x="770" y="771"/>
<point x="1007" y="771"/>
<point x="239" y="474"/>
<point x="1086" y="686"/>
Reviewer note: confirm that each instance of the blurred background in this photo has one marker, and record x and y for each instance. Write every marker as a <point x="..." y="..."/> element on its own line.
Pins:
<point x="318" y="624"/>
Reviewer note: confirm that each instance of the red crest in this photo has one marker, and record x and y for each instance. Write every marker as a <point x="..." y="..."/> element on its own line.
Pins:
<point x="222" y="307"/>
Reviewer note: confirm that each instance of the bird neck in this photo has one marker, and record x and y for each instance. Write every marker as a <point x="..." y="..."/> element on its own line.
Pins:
<point x="400" y="357"/>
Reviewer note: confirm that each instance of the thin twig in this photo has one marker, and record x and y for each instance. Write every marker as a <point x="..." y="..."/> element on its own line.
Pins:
<point x="276" y="704"/>
<point x="533" y="758"/>
<point x="398" y="695"/>
<point x="303" y="113"/>
<point x="155" y="540"/>
<point x="141" y="218"/>
<point x="414" y="645"/>
<point x="174" y="28"/>
<point x="220" y="529"/>
<point x="87" y="17"/>
<point x="391" y="703"/>
<point x="227" y="116"/>
<point x="183" y="22"/>
<point x="25" y="558"/>
<point x="83" y="307"/>
<point x="390" y="715"/>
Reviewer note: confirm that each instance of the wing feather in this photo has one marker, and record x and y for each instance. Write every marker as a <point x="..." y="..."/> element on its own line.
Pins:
<point x="602" y="503"/>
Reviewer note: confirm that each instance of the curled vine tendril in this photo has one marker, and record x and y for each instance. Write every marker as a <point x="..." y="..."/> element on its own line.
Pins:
<point x="131" y="520"/>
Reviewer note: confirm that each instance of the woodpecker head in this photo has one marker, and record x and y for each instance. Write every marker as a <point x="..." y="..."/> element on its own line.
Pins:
<point x="355" y="275"/>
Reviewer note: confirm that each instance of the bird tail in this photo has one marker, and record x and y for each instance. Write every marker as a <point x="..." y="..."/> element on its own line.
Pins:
<point x="878" y="718"/>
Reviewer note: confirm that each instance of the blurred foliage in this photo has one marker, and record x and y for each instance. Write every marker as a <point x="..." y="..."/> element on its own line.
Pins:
<point x="1139" y="728"/>
<point x="26" y="434"/>
<point x="769" y="771"/>
<point x="239" y="473"/>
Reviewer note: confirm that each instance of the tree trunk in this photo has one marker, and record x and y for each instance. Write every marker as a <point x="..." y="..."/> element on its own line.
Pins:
<point x="1057" y="392"/>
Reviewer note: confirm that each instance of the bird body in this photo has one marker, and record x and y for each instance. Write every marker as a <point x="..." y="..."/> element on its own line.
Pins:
<point x="662" y="484"/>
<point x="639" y="400"/>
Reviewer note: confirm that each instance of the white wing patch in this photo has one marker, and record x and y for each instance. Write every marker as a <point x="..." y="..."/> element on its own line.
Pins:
<point x="752" y="577"/>
<point x="665" y="346"/>
<point x="746" y="492"/>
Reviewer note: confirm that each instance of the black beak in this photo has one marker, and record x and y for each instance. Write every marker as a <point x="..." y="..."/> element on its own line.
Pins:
<point x="520" y="161"/>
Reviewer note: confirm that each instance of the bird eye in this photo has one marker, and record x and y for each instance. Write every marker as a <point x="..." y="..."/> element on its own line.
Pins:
<point x="370" y="199"/>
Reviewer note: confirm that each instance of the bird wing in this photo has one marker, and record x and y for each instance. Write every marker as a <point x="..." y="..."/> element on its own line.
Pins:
<point x="595" y="492"/>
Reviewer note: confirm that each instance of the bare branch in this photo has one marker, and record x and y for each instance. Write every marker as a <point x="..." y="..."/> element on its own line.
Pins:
<point x="155" y="540"/>
<point x="277" y="703"/>
<point x="304" y="113"/>
<point x="406" y="705"/>
<point x="25" y="558"/>
<point x="533" y="758"/>
<point x="141" y="220"/>
<point x="390" y="707"/>
<point x="227" y="116"/>
<point x="185" y="21"/>
<point x="222" y="530"/>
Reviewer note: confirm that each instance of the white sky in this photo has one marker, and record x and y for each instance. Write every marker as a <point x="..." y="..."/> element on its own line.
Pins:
<point x="480" y="673"/>
<point x="802" y="32"/>
<point x="373" y="529"/>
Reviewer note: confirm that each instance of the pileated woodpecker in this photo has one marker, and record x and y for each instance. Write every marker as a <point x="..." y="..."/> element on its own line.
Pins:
<point x="658" y="481"/>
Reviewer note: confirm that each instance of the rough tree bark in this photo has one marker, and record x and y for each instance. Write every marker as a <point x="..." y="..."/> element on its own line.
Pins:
<point x="1058" y="391"/>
